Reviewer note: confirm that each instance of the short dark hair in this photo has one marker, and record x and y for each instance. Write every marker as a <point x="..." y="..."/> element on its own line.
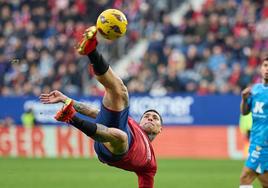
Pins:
<point x="265" y="58"/>
<point x="153" y="110"/>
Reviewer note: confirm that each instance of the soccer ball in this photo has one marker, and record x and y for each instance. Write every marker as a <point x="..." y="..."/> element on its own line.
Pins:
<point x="112" y="24"/>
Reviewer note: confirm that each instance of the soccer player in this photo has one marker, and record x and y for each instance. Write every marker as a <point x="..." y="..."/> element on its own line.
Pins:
<point x="255" y="100"/>
<point x="119" y="140"/>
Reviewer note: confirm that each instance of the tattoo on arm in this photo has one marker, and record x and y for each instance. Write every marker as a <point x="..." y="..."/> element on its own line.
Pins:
<point x="115" y="138"/>
<point x="85" y="109"/>
<point x="102" y="134"/>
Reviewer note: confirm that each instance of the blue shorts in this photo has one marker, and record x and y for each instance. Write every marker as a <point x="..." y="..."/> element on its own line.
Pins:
<point x="114" y="119"/>
<point x="257" y="159"/>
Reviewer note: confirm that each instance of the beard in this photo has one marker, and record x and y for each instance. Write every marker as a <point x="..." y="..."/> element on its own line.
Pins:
<point x="147" y="127"/>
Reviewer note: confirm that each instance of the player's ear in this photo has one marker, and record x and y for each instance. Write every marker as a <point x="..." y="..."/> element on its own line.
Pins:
<point x="160" y="129"/>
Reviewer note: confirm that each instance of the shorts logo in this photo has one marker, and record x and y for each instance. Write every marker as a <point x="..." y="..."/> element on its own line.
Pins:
<point x="258" y="108"/>
<point x="255" y="154"/>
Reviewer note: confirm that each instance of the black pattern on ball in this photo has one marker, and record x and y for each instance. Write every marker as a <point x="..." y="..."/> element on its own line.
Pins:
<point x="103" y="20"/>
<point x="118" y="17"/>
<point x="116" y="29"/>
<point x="102" y="32"/>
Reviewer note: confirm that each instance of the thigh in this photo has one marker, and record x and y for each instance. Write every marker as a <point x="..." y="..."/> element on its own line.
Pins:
<point x="116" y="99"/>
<point x="263" y="178"/>
<point x="115" y="119"/>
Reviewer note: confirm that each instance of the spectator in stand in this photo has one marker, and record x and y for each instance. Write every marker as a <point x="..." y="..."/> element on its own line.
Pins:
<point x="28" y="119"/>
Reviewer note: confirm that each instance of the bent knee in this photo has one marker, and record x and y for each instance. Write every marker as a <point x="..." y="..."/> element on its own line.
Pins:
<point x="247" y="177"/>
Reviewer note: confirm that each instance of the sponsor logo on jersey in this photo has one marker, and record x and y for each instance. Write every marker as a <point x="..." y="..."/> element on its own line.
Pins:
<point x="258" y="108"/>
<point x="255" y="154"/>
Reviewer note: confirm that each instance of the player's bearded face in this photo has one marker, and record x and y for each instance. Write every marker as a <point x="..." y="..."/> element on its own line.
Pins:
<point x="151" y="123"/>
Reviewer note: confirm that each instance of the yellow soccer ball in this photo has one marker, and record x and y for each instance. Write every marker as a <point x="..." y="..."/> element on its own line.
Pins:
<point x="112" y="24"/>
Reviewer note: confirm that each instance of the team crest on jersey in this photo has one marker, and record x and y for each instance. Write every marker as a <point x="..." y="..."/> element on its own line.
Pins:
<point x="258" y="108"/>
<point x="258" y="148"/>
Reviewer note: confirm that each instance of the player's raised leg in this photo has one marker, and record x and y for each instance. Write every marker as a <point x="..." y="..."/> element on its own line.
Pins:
<point x="116" y="95"/>
<point x="114" y="110"/>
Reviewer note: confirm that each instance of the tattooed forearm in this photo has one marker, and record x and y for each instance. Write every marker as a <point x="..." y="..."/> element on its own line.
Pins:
<point x="85" y="109"/>
<point x="114" y="139"/>
<point x="102" y="134"/>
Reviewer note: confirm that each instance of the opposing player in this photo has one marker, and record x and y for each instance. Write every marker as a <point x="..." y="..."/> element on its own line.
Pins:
<point x="255" y="100"/>
<point x="119" y="140"/>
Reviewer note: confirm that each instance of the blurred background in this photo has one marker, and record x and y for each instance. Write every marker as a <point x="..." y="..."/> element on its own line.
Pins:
<point x="188" y="59"/>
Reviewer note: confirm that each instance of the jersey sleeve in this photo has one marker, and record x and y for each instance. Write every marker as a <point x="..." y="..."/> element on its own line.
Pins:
<point x="146" y="179"/>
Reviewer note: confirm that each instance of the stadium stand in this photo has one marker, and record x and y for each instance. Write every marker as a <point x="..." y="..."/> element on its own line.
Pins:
<point x="215" y="50"/>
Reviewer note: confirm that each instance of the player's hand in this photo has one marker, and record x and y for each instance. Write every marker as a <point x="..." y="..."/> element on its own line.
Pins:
<point x="53" y="97"/>
<point x="245" y="93"/>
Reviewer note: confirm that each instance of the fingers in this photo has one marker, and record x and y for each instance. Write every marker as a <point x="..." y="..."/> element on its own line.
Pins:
<point x="51" y="98"/>
<point x="52" y="93"/>
<point x="45" y="95"/>
<point x="44" y="98"/>
<point x="246" y="93"/>
<point x="247" y="90"/>
<point x="45" y="101"/>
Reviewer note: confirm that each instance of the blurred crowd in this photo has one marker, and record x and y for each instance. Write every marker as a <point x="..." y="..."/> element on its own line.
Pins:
<point x="38" y="38"/>
<point x="213" y="50"/>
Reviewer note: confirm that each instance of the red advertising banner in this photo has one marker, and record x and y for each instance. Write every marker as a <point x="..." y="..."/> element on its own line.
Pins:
<point x="200" y="142"/>
<point x="173" y="142"/>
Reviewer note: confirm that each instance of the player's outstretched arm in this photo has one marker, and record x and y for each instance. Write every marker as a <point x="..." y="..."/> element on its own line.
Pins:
<point x="57" y="97"/>
<point x="115" y="140"/>
<point x="85" y="109"/>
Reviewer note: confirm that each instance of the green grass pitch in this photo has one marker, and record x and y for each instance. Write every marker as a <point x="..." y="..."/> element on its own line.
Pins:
<point x="90" y="173"/>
